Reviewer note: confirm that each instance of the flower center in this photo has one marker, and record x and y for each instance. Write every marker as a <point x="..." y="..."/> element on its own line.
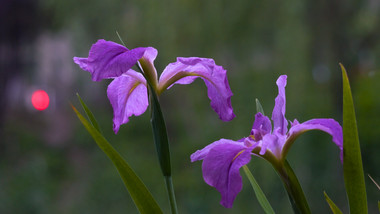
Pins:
<point x="149" y="72"/>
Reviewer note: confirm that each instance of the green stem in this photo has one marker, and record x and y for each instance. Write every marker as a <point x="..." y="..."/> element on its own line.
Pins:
<point x="162" y="147"/>
<point x="296" y="196"/>
<point x="160" y="134"/>
<point x="170" y="188"/>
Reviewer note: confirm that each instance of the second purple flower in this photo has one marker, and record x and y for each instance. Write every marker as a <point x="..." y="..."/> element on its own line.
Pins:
<point x="222" y="159"/>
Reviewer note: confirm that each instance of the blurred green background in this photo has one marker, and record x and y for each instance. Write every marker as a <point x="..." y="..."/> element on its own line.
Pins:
<point x="50" y="164"/>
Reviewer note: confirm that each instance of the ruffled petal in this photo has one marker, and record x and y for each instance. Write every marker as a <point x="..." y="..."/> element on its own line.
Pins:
<point x="221" y="168"/>
<point x="128" y="96"/>
<point x="278" y="114"/>
<point x="261" y="126"/>
<point x="108" y="59"/>
<point x="186" y="70"/>
<point x="329" y="126"/>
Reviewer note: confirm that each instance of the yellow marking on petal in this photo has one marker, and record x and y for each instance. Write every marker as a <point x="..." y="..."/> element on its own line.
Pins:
<point x="252" y="137"/>
<point x="133" y="87"/>
<point x="162" y="86"/>
<point x="238" y="154"/>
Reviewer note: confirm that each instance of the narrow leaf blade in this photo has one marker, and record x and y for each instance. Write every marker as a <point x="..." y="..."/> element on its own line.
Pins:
<point x="377" y="185"/>
<point x="89" y="114"/>
<point x="259" y="107"/>
<point x="258" y="192"/>
<point x="141" y="196"/>
<point x="352" y="160"/>
<point x="335" y="209"/>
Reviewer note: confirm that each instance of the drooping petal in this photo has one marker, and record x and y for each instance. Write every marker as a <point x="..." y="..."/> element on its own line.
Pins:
<point x="278" y="114"/>
<point x="108" y="59"/>
<point x="261" y="126"/>
<point x="329" y="126"/>
<point x="201" y="154"/>
<point x="186" y="70"/>
<point x="221" y="168"/>
<point x="128" y="96"/>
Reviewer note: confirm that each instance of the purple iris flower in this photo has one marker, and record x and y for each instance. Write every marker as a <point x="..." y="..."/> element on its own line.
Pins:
<point x="128" y="91"/>
<point x="223" y="158"/>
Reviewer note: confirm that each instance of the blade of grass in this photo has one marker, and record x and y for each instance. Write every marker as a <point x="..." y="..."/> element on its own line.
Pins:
<point x="377" y="185"/>
<point x="122" y="42"/>
<point x="259" y="107"/>
<point x="141" y="196"/>
<point x="258" y="192"/>
<point x="89" y="114"/>
<point x="335" y="209"/>
<point x="352" y="160"/>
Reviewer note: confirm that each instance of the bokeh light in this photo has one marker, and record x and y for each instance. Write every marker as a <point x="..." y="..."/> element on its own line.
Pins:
<point x="40" y="100"/>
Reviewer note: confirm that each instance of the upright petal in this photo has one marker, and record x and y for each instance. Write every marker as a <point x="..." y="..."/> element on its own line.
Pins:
<point x="261" y="126"/>
<point x="186" y="70"/>
<point x="329" y="126"/>
<point x="147" y="64"/>
<point x="150" y="55"/>
<point x="221" y="168"/>
<point x="108" y="59"/>
<point x="274" y="143"/>
<point x="128" y="96"/>
<point x="278" y="114"/>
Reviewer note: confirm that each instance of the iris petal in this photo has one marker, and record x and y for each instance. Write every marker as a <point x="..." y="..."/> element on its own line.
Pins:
<point x="128" y="96"/>
<point x="278" y="114"/>
<point x="186" y="70"/>
<point x="221" y="167"/>
<point x="261" y="126"/>
<point x="329" y="126"/>
<point x="201" y="154"/>
<point x="108" y="59"/>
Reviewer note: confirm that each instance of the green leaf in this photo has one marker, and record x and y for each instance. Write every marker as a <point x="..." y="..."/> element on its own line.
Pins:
<point x="352" y="160"/>
<point x="258" y="192"/>
<point x="141" y="196"/>
<point x="335" y="209"/>
<point x="89" y="114"/>
<point x="259" y="108"/>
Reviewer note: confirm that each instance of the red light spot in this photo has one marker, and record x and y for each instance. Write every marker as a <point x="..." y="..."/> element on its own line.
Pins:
<point x="40" y="100"/>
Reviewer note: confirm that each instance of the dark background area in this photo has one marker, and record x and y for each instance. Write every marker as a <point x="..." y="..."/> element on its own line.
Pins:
<point x="50" y="164"/>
